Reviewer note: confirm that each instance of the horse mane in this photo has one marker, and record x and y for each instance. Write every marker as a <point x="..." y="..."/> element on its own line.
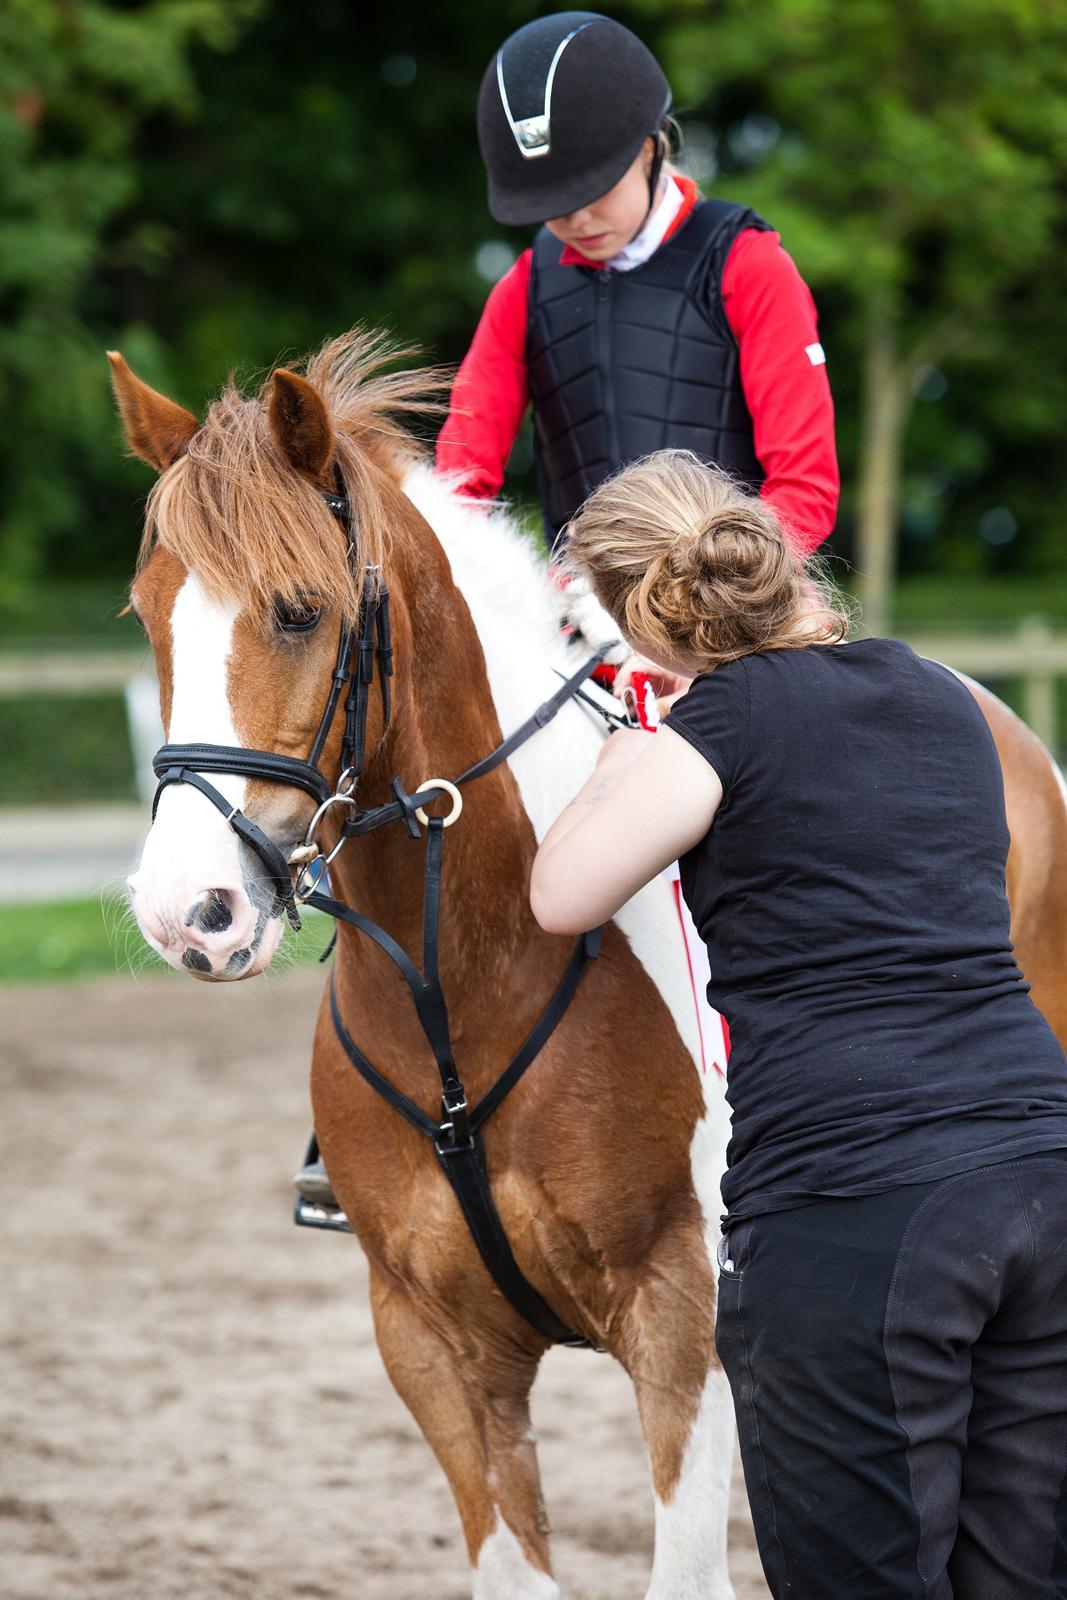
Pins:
<point x="254" y="530"/>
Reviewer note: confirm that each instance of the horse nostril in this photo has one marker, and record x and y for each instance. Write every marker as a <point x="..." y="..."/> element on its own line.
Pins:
<point x="213" y="914"/>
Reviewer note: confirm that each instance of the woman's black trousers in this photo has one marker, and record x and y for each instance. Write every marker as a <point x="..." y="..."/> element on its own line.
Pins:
<point x="899" y="1370"/>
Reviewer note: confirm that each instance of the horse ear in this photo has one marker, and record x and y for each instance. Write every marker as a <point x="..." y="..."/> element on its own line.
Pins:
<point x="300" y="423"/>
<point x="157" y="429"/>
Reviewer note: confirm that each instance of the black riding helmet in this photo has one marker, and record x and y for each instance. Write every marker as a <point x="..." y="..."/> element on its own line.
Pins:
<point x="565" y="105"/>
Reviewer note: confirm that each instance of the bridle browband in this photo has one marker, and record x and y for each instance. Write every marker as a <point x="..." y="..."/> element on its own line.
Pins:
<point x="456" y="1134"/>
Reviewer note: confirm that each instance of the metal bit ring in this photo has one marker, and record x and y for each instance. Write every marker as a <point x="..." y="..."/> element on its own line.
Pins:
<point x="296" y="858"/>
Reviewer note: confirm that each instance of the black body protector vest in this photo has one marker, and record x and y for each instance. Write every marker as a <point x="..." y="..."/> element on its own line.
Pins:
<point x="624" y="363"/>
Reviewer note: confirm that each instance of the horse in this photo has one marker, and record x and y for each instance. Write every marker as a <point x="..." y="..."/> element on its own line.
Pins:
<point x="604" y="1162"/>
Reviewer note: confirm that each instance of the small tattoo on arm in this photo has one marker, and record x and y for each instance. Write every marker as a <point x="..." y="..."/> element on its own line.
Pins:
<point x="595" y="795"/>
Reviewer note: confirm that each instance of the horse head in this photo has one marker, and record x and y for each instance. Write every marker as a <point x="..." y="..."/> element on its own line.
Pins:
<point x="255" y="569"/>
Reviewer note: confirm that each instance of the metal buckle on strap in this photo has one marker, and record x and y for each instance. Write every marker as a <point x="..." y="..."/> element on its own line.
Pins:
<point x="454" y="1131"/>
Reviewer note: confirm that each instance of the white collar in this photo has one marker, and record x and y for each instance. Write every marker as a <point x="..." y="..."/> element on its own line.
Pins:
<point x="647" y="242"/>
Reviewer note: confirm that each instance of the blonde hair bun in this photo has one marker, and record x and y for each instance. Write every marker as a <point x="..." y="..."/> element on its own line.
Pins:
<point x="691" y="564"/>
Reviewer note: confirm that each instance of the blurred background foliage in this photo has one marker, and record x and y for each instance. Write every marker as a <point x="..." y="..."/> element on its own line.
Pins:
<point x="219" y="184"/>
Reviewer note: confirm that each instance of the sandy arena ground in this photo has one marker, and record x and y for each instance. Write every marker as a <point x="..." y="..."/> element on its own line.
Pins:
<point x="193" y="1403"/>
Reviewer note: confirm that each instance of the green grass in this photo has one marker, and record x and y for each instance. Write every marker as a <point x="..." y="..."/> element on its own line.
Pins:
<point x="75" y="939"/>
<point x="89" y="730"/>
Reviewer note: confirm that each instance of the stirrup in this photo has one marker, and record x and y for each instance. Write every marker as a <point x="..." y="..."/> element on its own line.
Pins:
<point x="306" y="1214"/>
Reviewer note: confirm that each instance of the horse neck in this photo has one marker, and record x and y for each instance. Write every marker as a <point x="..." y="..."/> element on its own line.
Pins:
<point x="444" y="720"/>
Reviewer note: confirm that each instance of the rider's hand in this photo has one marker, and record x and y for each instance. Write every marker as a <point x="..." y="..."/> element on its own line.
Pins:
<point x="663" y="682"/>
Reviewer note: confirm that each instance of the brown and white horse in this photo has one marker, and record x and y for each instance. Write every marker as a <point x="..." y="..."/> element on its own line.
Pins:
<point x="605" y="1161"/>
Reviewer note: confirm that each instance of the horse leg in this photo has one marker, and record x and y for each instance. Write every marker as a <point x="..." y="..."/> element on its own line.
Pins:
<point x="686" y="1413"/>
<point x="474" y="1412"/>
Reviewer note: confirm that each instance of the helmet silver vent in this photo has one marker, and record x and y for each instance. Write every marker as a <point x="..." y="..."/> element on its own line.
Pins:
<point x="533" y="135"/>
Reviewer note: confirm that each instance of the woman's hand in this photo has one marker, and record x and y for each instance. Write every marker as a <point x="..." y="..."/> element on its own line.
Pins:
<point x="663" y="681"/>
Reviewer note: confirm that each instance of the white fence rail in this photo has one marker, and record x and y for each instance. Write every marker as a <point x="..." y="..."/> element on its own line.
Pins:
<point x="63" y="672"/>
<point x="1033" y="654"/>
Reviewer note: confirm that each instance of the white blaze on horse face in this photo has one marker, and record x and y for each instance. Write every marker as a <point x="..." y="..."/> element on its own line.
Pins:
<point x="190" y="892"/>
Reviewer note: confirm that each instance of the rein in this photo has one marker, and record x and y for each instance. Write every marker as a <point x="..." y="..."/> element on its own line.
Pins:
<point x="456" y="1134"/>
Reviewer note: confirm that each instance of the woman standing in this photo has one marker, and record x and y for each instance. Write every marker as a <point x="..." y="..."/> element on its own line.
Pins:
<point x="643" y="316"/>
<point x="893" y="1296"/>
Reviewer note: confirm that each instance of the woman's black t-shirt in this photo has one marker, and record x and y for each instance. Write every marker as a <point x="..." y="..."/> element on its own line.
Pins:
<point x="851" y="895"/>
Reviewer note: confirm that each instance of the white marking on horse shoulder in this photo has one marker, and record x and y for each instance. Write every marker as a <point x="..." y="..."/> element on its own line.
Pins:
<point x="503" y="1572"/>
<point x="690" y="1558"/>
<point x="503" y="580"/>
<point x="502" y="577"/>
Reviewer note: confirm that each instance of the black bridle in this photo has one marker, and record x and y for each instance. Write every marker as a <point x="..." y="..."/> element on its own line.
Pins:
<point x="359" y="646"/>
<point x="456" y="1133"/>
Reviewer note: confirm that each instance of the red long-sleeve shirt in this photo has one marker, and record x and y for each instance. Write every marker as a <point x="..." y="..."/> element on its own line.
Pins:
<point x="772" y="316"/>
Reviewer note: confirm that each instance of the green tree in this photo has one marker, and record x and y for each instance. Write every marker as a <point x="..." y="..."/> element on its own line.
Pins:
<point x="205" y="208"/>
<point x="914" y="153"/>
<point x="77" y="84"/>
<point x="220" y="183"/>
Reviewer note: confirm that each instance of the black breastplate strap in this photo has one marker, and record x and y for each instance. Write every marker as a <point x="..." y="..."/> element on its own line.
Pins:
<point x="456" y="1134"/>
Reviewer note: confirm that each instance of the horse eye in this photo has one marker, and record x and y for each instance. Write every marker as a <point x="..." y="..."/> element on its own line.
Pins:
<point x="297" y="616"/>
